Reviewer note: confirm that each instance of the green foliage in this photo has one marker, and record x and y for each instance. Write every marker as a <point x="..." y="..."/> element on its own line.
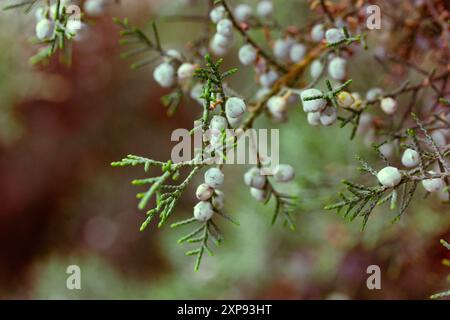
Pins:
<point x="363" y="199"/>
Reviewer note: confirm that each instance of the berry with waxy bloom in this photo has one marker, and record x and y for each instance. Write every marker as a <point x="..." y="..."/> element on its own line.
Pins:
<point x="316" y="68"/>
<point x="218" y="200"/>
<point x="220" y="40"/>
<point x="39" y="14"/>
<point x="345" y="99"/>
<point x="225" y="27"/>
<point x="264" y="9"/>
<point x="259" y="194"/>
<point x="389" y="176"/>
<point x="235" y="107"/>
<point x="186" y="71"/>
<point x="234" y="122"/>
<point x="389" y="105"/>
<point x="203" y="211"/>
<point x="313" y="118"/>
<point x="312" y="105"/>
<point x="439" y="138"/>
<point x="217" y="49"/>
<point x="317" y="32"/>
<point x="334" y="35"/>
<point x="247" y="54"/>
<point x="284" y="173"/>
<point x="374" y="94"/>
<point x="253" y="178"/>
<point x="410" y="158"/>
<point x="337" y="68"/>
<point x="196" y="92"/>
<point x="281" y="49"/>
<point x="45" y="29"/>
<point x="214" y="177"/>
<point x="217" y="14"/>
<point x="387" y="149"/>
<point x="173" y="54"/>
<point x="268" y="79"/>
<point x="218" y="123"/>
<point x="203" y="192"/>
<point x="94" y="7"/>
<point x="276" y="105"/>
<point x="433" y="185"/>
<point x="164" y="75"/>
<point x="297" y="52"/>
<point x="328" y="116"/>
<point x="242" y="12"/>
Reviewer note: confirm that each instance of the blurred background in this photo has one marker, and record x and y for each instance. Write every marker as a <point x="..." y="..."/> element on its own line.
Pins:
<point x="62" y="204"/>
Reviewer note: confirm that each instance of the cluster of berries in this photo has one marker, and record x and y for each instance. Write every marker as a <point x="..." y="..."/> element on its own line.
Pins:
<point x="258" y="182"/>
<point x="211" y="198"/>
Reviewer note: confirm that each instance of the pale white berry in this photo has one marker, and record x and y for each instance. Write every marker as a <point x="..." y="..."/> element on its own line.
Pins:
<point x="218" y="123"/>
<point x="73" y="26"/>
<point x="259" y="194"/>
<point x="225" y="27"/>
<point x="357" y="102"/>
<point x="337" y="68"/>
<point x="253" y="178"/>
<point x="186" y="71"/>
<point x="279" y="117"/>
<point x="433" y="185"/>
<point x="39" y="14"/>
<point x="345" y="99"/>
<point x="234" y="122"/>
<point x="297" y="52"/>
<point x="268" y="79"/>
<point x="203" y="192"/>
<point x="235" y="107"/>
<point x="203" y="211"/>
<point x="173" y="54"/>
<point x="265" y="9"/>
<point x="196" y="92"/>
<point x="222" y="41"/>
<point x="216" y="139"/>
<point x="389" y="176"/>
<point x="164" y="75"/>
<point x="328" y="116"/>
<point x="247" y="54"/>
<point x="439" y="138"/>
<point x="387" y="149"/>
<point x="356" y="95"/>
<point x="314" y="118"/>
<point x="94" y="7"/>
<point x="334" y="35"/>
<point x="284" y="173"/>
<point x="217" y="49"/>
<point x="45" y="29"/>
<point x="214" y="177"/>
<point x="410" y="158"/>
<point x="316" y="68"/>
<point x="218" y="199"/>
<point x="262" y="93"/>
<point x="242" y="12"/>
<point x="373" y="94"/>
<point x="217" y="14"/>
<point x="389" y="105"/>
<point x="276" y="105"/>
<point x="281" y="49"/>
<point x="312" y="105"/>
<point x="317" y="32"/>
